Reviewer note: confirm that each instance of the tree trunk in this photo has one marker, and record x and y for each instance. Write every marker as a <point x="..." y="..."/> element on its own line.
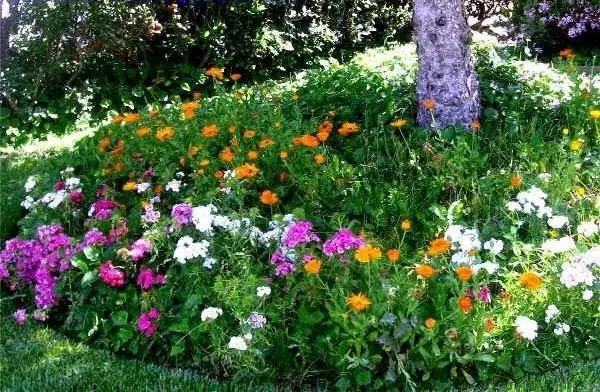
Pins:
<point x="447" y="87"/>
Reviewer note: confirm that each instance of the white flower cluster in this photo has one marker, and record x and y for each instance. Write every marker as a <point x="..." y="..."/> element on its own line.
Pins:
<point x="30" y="184"/>
<point x="561" y="329"/>
<point x="187" y="249"/>
<point x="173" y="186"/>
<point x="239" y="342"/>
<point x="588" y="229"/>
<point x="143" y="187"/>
<point x="531" y="201"/>
<point x="558" y="221"/>
<point x="578" y="271"/>
<point x="551" y="313"/>
<point x="53" y="199"/>
<point x="211" y="313"/>
<point x="526" y="327"/>
<point x="560" y="245"/>
<point x="263" y="291"/>
<point x="466" y="244"/>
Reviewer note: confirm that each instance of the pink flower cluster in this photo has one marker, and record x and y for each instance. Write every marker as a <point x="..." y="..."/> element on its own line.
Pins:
<point x="299" y="233"/>
<point x="102" y="209"/>
<point x="147" y="278"/>
<point x="182" y="213"/>
<point x="146" y="324"/>
<point x="140" y="249"/>
<point x="111" y="275"/>
<point x="342" y="241"/>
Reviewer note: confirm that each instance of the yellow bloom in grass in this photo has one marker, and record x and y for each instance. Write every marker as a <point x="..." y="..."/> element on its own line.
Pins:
<point x="193" y="150"/>
<point x="348" y="129"/>
<point x="565" y="131"/>
<point x="247" y="170"/>
<point x="406" y="225"/>
<point x="531" y="280"/>
<point x="252" y="155"/>
<point x="226" y="155"/>
<point x="215" y="72"/>
<point x="232" y="128"/>
<point x="580" y="191"/>
<point x="430" y="323"/>
<point x="130" y="118"/>
<point x="250" y="133"/>
<point x="554" y="233"/>
<point x="129" y="186"/>
<point x="204" y="163"/>
<point x="393" y="255"/>
<point x="190" y="106"/>
<point x="438" y="246"/>
<point x="398" y="123"/>
<point x="358" y="302"/>
<point x="143" y="131"/>
<point x="210" y="130"/>
<point x="283" y="154"/>
<point x="269" y="198"/>
<point x="266" y="142"/>
<point x="165" y="134"/>
<point x="320" y="159"/>
<point x="595" y="114"/>
<point x="367" y="253"/>
<point x="313" y="266"/>
<point x="577" y="144"/>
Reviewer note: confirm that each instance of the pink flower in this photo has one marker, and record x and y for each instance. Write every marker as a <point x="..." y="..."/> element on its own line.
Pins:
<point x="111" y="275"/>
<point x="145" y="322"/>
<point x="140" y="249"/>
<point x="76" y="196"/>
<point x="20" y="316"/>
<point x="59" y="186"/>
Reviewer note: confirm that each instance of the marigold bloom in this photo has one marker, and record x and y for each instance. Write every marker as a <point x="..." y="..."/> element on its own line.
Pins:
<point x="119" y="148"/>
<point x="165" y="134"/>
<point x="577" y="144"/>
<point x="204" y="163"/>
<point x="348" y="128"/>
<point x="398" y="123"/>
<point x="430" y="323"/>
<point x="210" y="130"/>
<point x="250" y="133"/>
<point x="567" y="54"/>
<point x="252" y="155"/>
<point x="595" y="114"/>
<point x="489" y="324"/>
<point x="104" y="143"/>
<point x="531" y="280"/>
<point x="118" y="119"/>
<point x="193" y="150"/>
<point x="247" y="170"/>
<point x="143" y="131"/>
<point x="367" y="253"/>
<point x="465" y="303"/>
<point x="475" y="125"/>
<point x="235" y="76"/>
<point x="226" y="155"/>
<point x="309" y="141"/>
<point x="464" y="273"/>
<point x="320" y="159"/>
<point x="219" y="174"/>
<point x="129" y="186"/>
<point x="438" y="246"/>
<point x="393" y="255"/>
<point x="515" y="181"/>
<point x="313" y="266"/>
<point x="326" y="126"/>
<point x="269" y="198"/>
<point x="322" y="136"/>
<point x="429" y="104"/>
<point x="283" y="154"/>
<point x="424" y="271"/>
<point x="215" y="72"/>
<point x="119" y="166"/>
<point x="406" y="225"/>
<point x="130" y="118"/>
<point x="358" y="302"/>
<point x="265" y="142"/>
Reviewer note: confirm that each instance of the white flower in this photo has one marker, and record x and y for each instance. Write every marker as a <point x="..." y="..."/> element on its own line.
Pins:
<point x="202" y="218"/>
<point x="463" y="257"/>
<point x="558" y="245"/>
<point x="587" y="295"/>
<point x="226" y="190"/>
<point x="469" y="241"/>
<point x="238" y="343"/>
<point x="209" y="262"/>
<point x="575" y="273"/>
<point x="143" y="187"/>
<point x="211" y="314"/>
<point x="72" y="182"/>
<point x="247" y="336"/>
<point x="526" y="327"/>
<point x="588" y="229"/>
<point x="188" y="249"/>
<point x="561" y="329"/>
<point x="229" y="174"/>
<point x="490" y="267"/>
<point x="30" y="184"/>
<point x="454" y="233"/>
<point x="558" y="221"/>
<point x="27" y="203"/>
<point x="180" y="174"/>
<point x="544" y="177"/>
<point x="513" y="206"/>
<point x="494" y="246"/>
<point x="173" y="186"/>
<point x="53" y="199"/>
<point x="263" y="291"/>
<point x="551" y="312"/>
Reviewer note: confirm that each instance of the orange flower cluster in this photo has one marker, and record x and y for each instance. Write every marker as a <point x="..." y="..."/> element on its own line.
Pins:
<point x="358" y="302"/>
<point x="189" y="109"/>
<point x="247" y="170"/>
<point x="165" y="134"/>
<point x="215" y="72"/>
<point x="438" y="246"/>
<point x="348" y="129"/>
<point x="367" y="253"/>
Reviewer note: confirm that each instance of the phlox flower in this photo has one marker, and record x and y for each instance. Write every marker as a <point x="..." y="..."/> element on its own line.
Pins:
<point x="210" y="314"/>
<point x="238" y="343"/>
<point x="526" y="327"/>
<point x="551" y="313"/>
<point x="20" y="316"/>
<point x="187" y="249"/>
<point x="182" y="213"/>
<point x="140" y="249"/>
<point x="146" y="323"/>
<point x="588" y="229"/>
<point x="561" y="329"/>
<point x="256" y="320"/>
<point x="111" y="275"/>
<point x="299" y="233"/>
<point x="558" y="221"/>
<point x="263" y="291"/>
<point x="560" y="245"/>
<point x="342" y="241"/>
<point x="494" y="246"/>
<point x="173" y="186"/>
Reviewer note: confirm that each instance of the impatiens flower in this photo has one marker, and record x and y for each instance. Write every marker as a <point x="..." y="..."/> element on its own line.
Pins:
<point x="464" y="273"/>
<point x="367" y="253"/>
<point x="551" y="312"/>
<point x="20" y="316"/>
<point x="313" y="266"/>
<point x="531" y="280"/>
<point x="438" y="246"/>
<point x="210" y="314"/>
<point x="358" y="302"/>
<point x="430" y="323"/>
<point x="146" y="323"/>
<point x="263" y="291"/>
<point x="465" y="303"/>
<point x="111" y="275"/>
<point x="238" y="343"/>
<point x="256" y="320"/>
<point x="424" y="271"/>
<point x="526" y="327"/>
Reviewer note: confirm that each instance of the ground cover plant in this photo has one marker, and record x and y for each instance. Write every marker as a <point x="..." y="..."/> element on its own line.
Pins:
<point x="308" y="232"/>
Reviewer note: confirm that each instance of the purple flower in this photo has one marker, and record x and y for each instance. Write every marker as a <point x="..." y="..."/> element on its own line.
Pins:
<point x="40" y="315"/>
<point x="94" y="237"/>
<point x="279" y="257"/>
<point x="76" y="196"/>
<point x="140" y="249"/>
<point x="284" y="269"/>
<point x="299" y="233"/>
<point x="341" y="242"/>
<point x="256" y="320"/>
<point x="103" y="209"/>
<point x="20" y="316"/>
<point x="145" y="278"/>
<point x="182" y="213"/>
<point x="150" y="215"/>
<point x="145" y="322"/>
<point x="59" y="186"/>
<point x="484" y="294"/>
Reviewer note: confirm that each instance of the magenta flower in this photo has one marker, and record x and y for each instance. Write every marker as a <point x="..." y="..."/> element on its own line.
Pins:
<point x="76" y="196"/>
<point x="341" y="242"/>
<point x="59" y="186"/>
<point x="182" y="213"/>
<point x="111" y="275"/>
<point x="299" y="233"/>
<point x="484" y="294"/>
<point x="284" y="269"/>
<point x="145" y="322"/>
<point x="20" y="316"/>
<point x="140" y="249"/>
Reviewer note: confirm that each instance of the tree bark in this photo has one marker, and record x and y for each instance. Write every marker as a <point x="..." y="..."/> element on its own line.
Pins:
<point x="446" y="74"/>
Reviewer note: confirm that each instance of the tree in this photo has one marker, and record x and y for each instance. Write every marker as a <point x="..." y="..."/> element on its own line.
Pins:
<point x="447" y="86"/>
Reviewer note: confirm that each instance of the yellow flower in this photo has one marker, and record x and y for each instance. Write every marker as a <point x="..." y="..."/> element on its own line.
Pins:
<point x="530" y="280"/>
<point x="129" y="186"/>
<point x="595" y="114"/>
<point x="266" y="142"/>
<point x="320" y="159"/>
<point x="204" y="163"/>
<point x="143" y="131"/>
<point x="252" y="155"/>
<point x="358" y="302"/>
<point x="232" y="128"/>
<point x="215" y="72"/>
<point x="430" y="323"/>
<point x="313" y="266"/>
<point x="165" y="134"/>
<point x="247" y="170"/>
<point x="250" y="133"/>
<point x="565" y="131"/>
<point x="577" y="144"/>
<point x="130" y="118"/>
<point x="367" y="253"/>
<point x="398" y="123"/>
<point x="348" y="128"/>
<point x="193" y="150"/>
<point x="283" y="154"/>
<point x="406" y="225"/>
<point x="580" y="191"/>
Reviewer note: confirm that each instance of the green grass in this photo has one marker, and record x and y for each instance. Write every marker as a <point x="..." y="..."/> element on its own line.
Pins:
<point x="34" y="358"/>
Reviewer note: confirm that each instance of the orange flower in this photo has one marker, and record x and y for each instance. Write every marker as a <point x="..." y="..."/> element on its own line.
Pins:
<point x="226" y="155"/>
<point x="165" y="134"/>
<point x="475" y="125"/>
<point x="283" y="176"/>
<point x="489" y="324"/>
<point x="119" y="148"/>
<point x="219" y="174"/>
<point x="196" y="95"/>
<point x="322" y="136"/>
<point x="130" y="118"/>
<point x="119" y="167"/>
<point x="398" y="123"/>
<point x="515" y="181"/>
<point x="210" y="130"/>
<point x="235" y="76"/>
<point x="313" y="266"/>
<point x="204" y="163"/>
<point x="250" y="133"/>
<point x="118" y="119"/>
<point x="283" y="154"/>
<point x="430" y="323"/>
<point x="367" y="253"/>
<point x="143" y="131"/>
<point x="438" y="246"/>
<point x="247" y="170"/>
<point x="189" y="114"/>
<point x="265" y="142"/>
<point x="358" y="302"/>
<point x="320" y="159"/>
<point x="269" y="198"/>
<point x="465" y="303"/>
<point x="153" y="112"/>
<point x="567" y="54"/>
<point x="464" y="273"/>
<point x="309" y="141"/>
<point x="129" y="186"/>
<point x="429" y="104"/>
<point x="326" y="126"/>
<point x="252" y="155"/>
<point x="348" y="128"/>
<point x="531" y="280"/>
<point x="577" y="144"/>
<point x="104" y="143"/>
<point x="297" y="141"/>
<point x="215" y="72"/>
<point x="393" y="255"/>
<point x="424" y="271"/>
<point x="193" y="150"/>
<point x="406" y="225"/>
<point x="232" y="128"/>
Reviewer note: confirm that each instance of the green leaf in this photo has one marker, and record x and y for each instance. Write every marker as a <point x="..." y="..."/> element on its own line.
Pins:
<point x="79" y="263"/>
<point x="125" y="334"/>
<point x="89" y="278"/>
<point x="180" y="326"/>
<point x="92" y="254"/>
<point x="185" y="86"/>
<point x="363" y="377"/>
<point x="177" y="349"/>
<point x="484" y="358"/>
<point x="342" y="384"/>
<point x="120" y="317"/>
